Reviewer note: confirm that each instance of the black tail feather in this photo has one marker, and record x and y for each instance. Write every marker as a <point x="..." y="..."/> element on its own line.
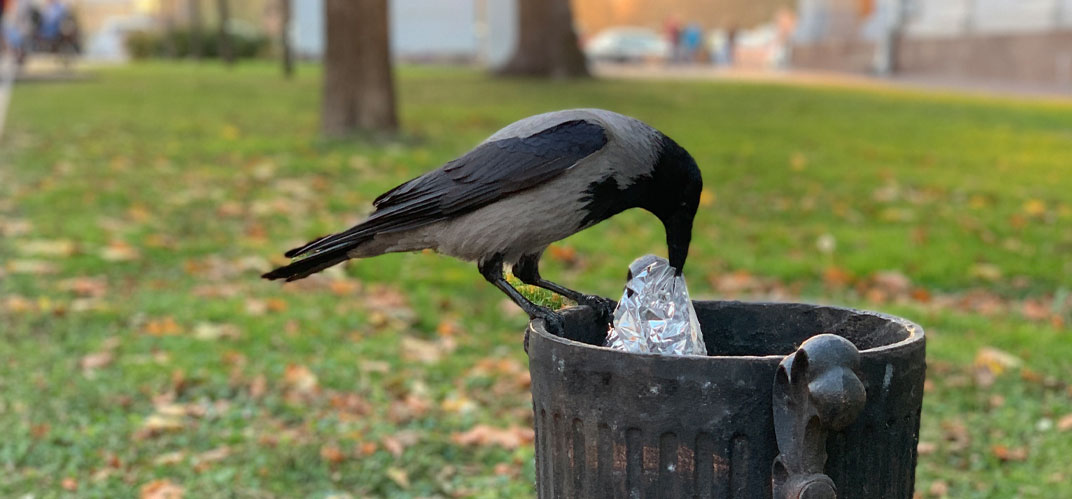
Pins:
<point x="305" y="247"/>
<point x="310" y="265"/>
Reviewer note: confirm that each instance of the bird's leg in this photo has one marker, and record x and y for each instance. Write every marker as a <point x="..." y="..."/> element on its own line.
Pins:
<point x="528" y="270"/>
<point x="492" y="270"/>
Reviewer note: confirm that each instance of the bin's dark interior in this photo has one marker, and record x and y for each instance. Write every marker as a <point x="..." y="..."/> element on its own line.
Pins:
<point x="737" y="328"/>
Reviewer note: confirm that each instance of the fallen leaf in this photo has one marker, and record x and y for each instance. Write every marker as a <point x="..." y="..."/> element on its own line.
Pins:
<point x="300" y="379"/>
<point x="836" y="277"/>
<point x="1065" y="423"/>
<point x="94" y="361"/>
<point x="986" y="271"/>
<point x="258" y="386"/>
<point x="47" y="247"/>
<point x="158" y="424"/>
<point x="399" y="476"/>
<point x="1035" y="207"/>
<point x="925" y="448"/>
<point x="484" y="435"/>
<point x="826" y="243"/>
<point x="165" y="326"/>
<point x="69" y="484"/>
<point x="565" y="254"/>
<point x="996" y="361"/>
<point x="84" y="286"/>
<point x="1006" y="454"/>
<point x="424" y="351"/>
<point x="161" y="489"/>
<point x="119" y="251"/>
<point x="393" y="445"/>
<point x="169" y="458"/>
<point x="210" y="331"/>
<point x="938" y="489"/>
<point x="203" y="460"/>
<point x="332" y="454"/>
<point x="707" y="198"/>
<point x="35" y="267"/>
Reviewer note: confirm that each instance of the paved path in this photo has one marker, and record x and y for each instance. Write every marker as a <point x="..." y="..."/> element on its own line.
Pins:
<point x="833" y="79"/>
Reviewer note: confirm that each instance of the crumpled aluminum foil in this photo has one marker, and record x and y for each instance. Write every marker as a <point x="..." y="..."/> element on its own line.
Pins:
<point x="655" y="314"/>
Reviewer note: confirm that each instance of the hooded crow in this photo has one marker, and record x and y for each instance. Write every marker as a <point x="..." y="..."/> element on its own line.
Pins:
<point x="530" y="184"/>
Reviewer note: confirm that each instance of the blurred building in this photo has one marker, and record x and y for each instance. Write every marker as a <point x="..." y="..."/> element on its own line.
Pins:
<point x="1011" y="40"/>
<point x="433" y="30"/>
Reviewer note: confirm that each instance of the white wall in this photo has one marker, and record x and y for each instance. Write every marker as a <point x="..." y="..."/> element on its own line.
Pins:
<point x="425" y="27"/>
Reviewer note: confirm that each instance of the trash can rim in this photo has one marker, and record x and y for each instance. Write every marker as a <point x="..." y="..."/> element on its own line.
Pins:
<point x="915" y="333"/>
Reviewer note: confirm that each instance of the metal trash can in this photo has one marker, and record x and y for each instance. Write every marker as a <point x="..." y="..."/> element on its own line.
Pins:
<point x="777" y="409"/>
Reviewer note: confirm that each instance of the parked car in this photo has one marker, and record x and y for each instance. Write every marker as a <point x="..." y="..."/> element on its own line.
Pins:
<point x="627" y="44"/>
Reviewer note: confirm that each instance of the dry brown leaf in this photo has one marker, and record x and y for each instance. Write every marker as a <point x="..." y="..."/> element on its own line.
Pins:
<point x="162" y="489"/>
<point x="424" y="351"/>
<point x="1065" y="423"/>
<point x="392" y="445"/>
<point x="367" y="449"/>
<point x="399" y="476"/>
<point x="35" y="267"/>
<point x="1035" y="207"/>
<point x="165" y="326"/>
<point x="203" y="460"/>
<point x="300" y="379"/>
<point x="85" y="286"/>
<point x="258" y="386"/>
<point x="565" y="254"/>
<point x="169" y="458"/>
<point x="210" y="331"/>
<point x="484" y="435"/>
<point x="1006" y="454"/>
<point x="996" y="361"/>
<point x="94" y="361"/>
<point x="69" y="484"/>
<point x="926" y="448"/>
<point x="119" y="251"/>
<point x="59" y="248"/>
<point x="837" y="277"/>
<point x="938" y="489"/>
<point x="158" y="424"/>
<point x="332" y="454"/>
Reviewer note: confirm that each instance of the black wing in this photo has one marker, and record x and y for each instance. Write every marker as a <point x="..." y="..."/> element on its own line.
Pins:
<point x="484" y="175"/>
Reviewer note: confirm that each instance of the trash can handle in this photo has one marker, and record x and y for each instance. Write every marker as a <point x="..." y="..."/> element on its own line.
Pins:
<point x="817" y="391"/>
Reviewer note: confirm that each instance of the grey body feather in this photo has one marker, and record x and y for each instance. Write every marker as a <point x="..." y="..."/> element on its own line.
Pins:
<point x="528" y="221"/>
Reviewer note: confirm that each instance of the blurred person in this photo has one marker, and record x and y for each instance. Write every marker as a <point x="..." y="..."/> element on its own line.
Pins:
<point x="730" y="46"/>
<point x="52" y="17"/>
<point x="692" y="41"/>
<point x="673" y="34"/>
<point x="13" y="26"/>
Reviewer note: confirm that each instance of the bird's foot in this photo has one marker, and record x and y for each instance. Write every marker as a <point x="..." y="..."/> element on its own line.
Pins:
<point x="552" y="322"/>
<point x="604" y="307"/>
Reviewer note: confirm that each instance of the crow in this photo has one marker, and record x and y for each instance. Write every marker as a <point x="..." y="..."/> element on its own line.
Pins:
<point x="536" y="181"/>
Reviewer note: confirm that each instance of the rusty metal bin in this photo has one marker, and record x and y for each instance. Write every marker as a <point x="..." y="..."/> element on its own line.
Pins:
<point x="766" y="414"/>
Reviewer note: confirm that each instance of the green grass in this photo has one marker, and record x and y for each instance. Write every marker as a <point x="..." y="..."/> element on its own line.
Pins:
<point x="207" y="175"/>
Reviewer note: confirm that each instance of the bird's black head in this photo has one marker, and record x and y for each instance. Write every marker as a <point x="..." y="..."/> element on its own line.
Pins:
<point x="674" y="197"/>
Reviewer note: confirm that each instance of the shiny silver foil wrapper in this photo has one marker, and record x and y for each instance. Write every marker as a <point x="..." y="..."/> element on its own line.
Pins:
<point x="655" y="314"/>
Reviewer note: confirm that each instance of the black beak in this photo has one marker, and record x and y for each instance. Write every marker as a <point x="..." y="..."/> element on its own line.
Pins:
<point x="678" y="236"/>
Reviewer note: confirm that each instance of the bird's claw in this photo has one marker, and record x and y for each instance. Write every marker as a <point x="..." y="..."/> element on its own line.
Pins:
<point x="602" y="306"/>
<point x="553" y="323"/>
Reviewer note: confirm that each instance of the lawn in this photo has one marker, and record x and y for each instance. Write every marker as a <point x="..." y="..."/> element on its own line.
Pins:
<point x="140" y="353"/>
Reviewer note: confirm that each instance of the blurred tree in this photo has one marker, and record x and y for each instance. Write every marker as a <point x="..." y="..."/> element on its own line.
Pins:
<point x="358" y="84"/>
<point x="193" y="10"/>
<point x="226" y="51"/>
<point x="547" y="44"/>
<point x="284" y="38"/>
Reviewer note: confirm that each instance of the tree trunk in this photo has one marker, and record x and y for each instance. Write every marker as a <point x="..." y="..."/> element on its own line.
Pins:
<point x="546" y="44"/>
<point x="358" y="84"/>
<point x="284" y="38"/>
<point x="226" y="49"/>
<point x="193" y="10"/>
